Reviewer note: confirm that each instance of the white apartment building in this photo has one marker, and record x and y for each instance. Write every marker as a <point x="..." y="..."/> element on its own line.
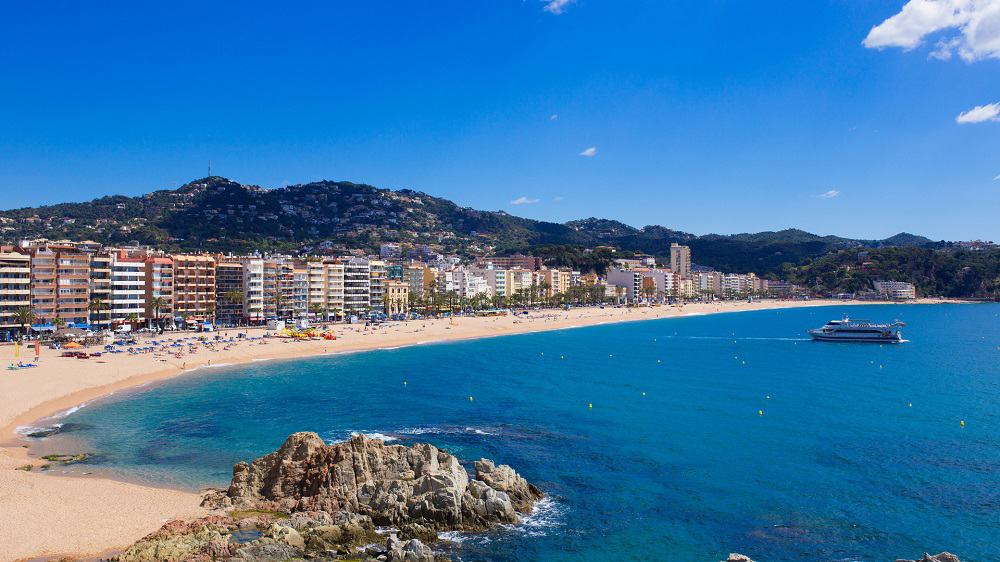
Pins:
<point x="736" y="285"/>
<point x="896" y="290"/>
<point x="470" y="285"/>
<point x="325" y="291"/>
<point x="707" y="283"/>
<point x="644" y="284"/>
<point x="128" y="289"/>
<point x="496" y="280"/>
<point x="15" y="288"/>
<point x="357" y="283"/>
<point x="253" y="289"/>
<point x="376" y="284"/>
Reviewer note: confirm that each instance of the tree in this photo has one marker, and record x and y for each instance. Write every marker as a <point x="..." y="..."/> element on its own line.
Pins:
<point x="97" y="306"/>
<point x="24" y="318"/>
<point x="316" y="309"/>
<point x="157" y="304"/>
<point x="58" y="322"/>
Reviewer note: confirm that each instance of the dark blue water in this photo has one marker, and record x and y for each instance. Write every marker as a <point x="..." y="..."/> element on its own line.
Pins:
<point x="673" y="458"/>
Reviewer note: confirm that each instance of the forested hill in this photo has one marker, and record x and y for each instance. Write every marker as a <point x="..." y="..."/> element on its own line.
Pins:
<point x="218" y="214"/>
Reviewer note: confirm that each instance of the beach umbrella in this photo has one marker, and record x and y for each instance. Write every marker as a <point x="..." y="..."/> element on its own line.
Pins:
<point x="72" y="345"/>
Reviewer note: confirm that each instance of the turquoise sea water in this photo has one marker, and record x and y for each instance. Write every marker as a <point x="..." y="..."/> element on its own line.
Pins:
<point x="838" y="467"/>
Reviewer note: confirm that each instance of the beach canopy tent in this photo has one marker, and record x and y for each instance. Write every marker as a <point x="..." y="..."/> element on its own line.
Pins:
<point x="69" y="334"/>
<point x="43" y="327"/>
<point x="72" y="345"/>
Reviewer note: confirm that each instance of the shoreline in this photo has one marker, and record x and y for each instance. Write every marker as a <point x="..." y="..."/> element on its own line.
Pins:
<point x="91" y="515"/>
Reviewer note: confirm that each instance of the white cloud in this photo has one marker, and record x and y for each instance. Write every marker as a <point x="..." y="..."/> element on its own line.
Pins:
<point x="829" y="194"/>
<point x="557" y="7"/>
<point x="589" y="152"/>
<point x="522" y="200"/>
<point x="980" y="113"/>
<point x="554" y="117"/>
<point x="561" y="198"/>
<point x="997" y="178"/>
<point x="972" y="28"/>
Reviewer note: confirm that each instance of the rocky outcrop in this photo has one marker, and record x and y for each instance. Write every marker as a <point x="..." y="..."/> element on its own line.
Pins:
<point x="310" y="500"/>
<point x="393" y="485"/>
<point x="735" y="557"/>
<point x="942" y="557"/>
<point x="408" y="551"/>
<point x="206" y="538"/>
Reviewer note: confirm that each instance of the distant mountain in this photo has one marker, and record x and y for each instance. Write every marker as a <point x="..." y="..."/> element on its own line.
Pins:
<point x="218" y="214"/>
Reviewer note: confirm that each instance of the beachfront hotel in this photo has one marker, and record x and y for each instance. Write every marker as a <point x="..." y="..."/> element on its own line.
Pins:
<point x="194" y="288"/>
<point x="15" y="289"/>
<point x="83" y="284"/>
<point x="680" y="260"/>
<point x="128" y="289"/>
<point x="60" y="283"/>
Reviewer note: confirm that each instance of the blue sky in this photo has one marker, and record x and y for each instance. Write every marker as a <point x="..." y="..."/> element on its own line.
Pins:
<point x="704" y="116"/>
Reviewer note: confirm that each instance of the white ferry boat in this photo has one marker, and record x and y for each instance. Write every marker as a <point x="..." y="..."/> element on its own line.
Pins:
<point x="858" y="331"/>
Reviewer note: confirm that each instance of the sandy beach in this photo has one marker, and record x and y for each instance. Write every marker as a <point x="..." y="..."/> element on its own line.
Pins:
<point x="49" y="516"/>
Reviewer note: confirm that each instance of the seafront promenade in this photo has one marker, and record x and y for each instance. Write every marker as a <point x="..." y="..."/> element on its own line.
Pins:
<point x="58" y="515"/>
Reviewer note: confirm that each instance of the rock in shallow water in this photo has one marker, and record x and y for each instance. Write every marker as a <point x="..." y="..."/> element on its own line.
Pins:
<point x="311" y="500"/>
<point x="392" y="484"/>
<point x="942" y="557"/>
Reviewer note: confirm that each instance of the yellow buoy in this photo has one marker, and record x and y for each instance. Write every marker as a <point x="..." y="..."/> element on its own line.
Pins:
<point x="590" y="405"/>
<point x="962" y="423"/>
<point x="760" y="412"/>
<point x="470" y="399"/>
<point x="881" y="366"/>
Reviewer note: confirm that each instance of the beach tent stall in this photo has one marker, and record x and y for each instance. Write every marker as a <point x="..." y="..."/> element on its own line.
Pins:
<point x="69" y="335"/>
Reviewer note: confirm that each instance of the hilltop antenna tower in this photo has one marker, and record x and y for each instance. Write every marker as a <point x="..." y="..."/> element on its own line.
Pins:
<point x="209" y="168"/>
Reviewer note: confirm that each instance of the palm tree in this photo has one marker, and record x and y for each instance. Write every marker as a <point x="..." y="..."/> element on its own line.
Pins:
<point x="132" y="319"/>
<point x="157" y="304"/>
<point x="316" y="309"/>
<point x="234" y="297"/>
<point x="97" y="306"/>
<point x="543" y="290"/>
<point x="24" y="317"/>
<point x="58" y="322"/>
<point x="210" y="311"/>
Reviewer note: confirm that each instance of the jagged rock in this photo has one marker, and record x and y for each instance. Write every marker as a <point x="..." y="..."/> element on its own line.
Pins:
<point x="419" y="532"/>
<point x="503" y="479"/>
<point x="206" y="538"/>
<point x="287" y="535"/>
<point x="269" y="552"/>
<point x="735" y="557"/>
<point x="392" y="484"/>
<point x="409" y="551"/>
<point x="942" y="557"/>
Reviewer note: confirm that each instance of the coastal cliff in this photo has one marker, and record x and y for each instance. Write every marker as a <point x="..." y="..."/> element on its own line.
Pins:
<point x="325" y="501"/>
